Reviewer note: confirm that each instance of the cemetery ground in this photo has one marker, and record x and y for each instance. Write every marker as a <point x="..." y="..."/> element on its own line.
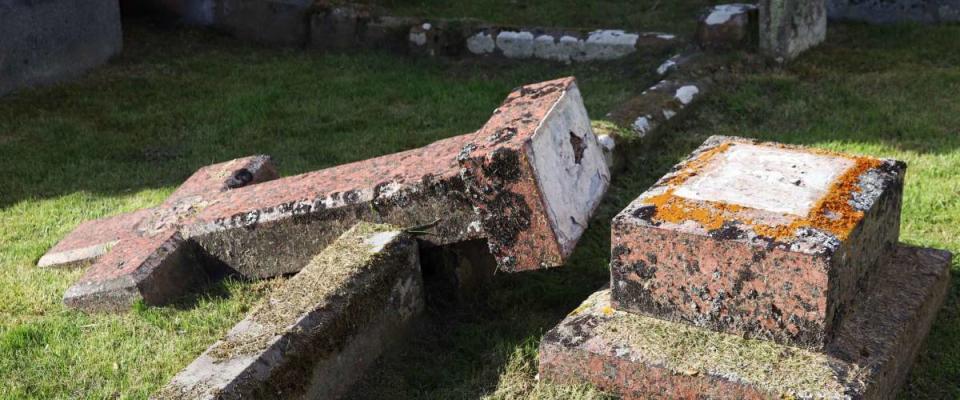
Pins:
<point x="125" y="136"/>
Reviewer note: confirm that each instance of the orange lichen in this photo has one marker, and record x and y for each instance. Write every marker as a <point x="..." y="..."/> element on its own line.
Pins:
<point x="833" y="213"/>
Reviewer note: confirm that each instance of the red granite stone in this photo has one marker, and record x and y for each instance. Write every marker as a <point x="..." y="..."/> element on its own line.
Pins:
<point x="757" y="239"/>
<point x="92" y="239"/>
<point x="639" y="357"/>
<point x="527" y="183"/>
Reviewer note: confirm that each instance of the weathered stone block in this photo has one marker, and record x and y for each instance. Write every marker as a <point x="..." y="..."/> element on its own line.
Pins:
<point x="728" y="26"/>
<point x="790" y="27"/>
<point x="639" y="357"/>
<point x="644" y="113"/>
<point x="314" y="336"/>
<point x="44" y="42"/>
<point x="527" y="182"/>
<point x="762" y="240"/>
<point x="275" y="22"/>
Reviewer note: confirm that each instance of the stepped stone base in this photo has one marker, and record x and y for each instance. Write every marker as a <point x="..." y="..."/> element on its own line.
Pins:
<point x="640" y="357"/>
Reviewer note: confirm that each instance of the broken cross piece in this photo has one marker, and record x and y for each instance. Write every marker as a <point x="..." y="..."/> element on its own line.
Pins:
<point x="521" y="182"/>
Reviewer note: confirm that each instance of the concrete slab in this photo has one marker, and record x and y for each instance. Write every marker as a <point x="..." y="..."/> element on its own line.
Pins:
<point x="314" y="336"/>
<point x="45" y="42"/>
<point x="640" y="357"/>
<point x="790" y="27"/>
<point x="527" y="182"/>
<point x="758" y="239"/>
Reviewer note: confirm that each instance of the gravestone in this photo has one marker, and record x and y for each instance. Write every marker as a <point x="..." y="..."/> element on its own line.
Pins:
<point x="314" y="336"/>
<point x="44" y="42"/>
<point x="728" y="26"/>
<point x="527" y="183"/>
<point x="790" y="27"/>
<point x="757" y="270"/>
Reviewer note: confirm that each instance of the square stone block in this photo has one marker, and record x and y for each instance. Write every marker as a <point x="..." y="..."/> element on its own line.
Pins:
<point x="762" y="240"/>
<point x="640" y="357"/>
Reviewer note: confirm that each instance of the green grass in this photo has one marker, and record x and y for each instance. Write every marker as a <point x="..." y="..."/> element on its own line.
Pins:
<point x="128" y="134"/>
<point x="675" y="16"/>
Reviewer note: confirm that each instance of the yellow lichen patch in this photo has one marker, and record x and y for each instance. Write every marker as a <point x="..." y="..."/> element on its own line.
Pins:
<point x="693" y="167"/>
<point x="832" y="214"/>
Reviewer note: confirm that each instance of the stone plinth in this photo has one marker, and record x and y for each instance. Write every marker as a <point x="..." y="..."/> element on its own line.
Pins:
<point x="316" y="334"/>
<point x="790" y="27"/>
<point x="527" y="182"/>
<point x="44" y="42"/>
<point x="761" y="240"/>
<point x="728" y="26"/>
<point x="640" y="357"/>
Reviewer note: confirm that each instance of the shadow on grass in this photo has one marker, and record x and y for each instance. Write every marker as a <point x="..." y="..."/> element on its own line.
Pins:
<point x="177" y="100"/>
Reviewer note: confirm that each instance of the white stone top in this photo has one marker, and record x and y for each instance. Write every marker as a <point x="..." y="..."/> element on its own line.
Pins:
<point x="766" y="178"/>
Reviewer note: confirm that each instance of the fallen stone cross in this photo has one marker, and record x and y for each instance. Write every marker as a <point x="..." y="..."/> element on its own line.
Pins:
<point x="527" y="183"/>
<point x="315" y="335"/>
<point x="757" y="270"/>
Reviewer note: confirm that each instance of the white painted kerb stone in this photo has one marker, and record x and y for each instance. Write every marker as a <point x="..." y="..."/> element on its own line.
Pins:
<point x="766" y="178"/>
<point x="722" y="13"/>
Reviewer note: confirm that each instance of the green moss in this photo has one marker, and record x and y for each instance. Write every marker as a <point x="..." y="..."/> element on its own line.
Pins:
<point x="320" y="282"/>
<point x="685" y="349"/>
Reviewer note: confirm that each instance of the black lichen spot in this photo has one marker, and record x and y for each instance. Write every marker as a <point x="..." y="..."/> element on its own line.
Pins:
<point x="504" y="165"/>
<point x="644" y="270"/>
<point x="579" y="146"/>
<point x="728" y="232"/>
<point x="743" y="275"/>
<point x="618" y="251"/>
<point x="240" y="178"/>
<point x="645" y="213"/>
<point x="506" y="216"/>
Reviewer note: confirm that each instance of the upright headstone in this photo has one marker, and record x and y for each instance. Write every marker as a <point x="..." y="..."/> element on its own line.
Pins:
<point x="757" y="270"/>
<point x="790" y="27"/>
<point x="44" y="42"/>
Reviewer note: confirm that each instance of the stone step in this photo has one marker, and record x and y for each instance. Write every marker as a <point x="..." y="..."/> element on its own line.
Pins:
<point x="527" y="182"/>
<point x="640" y="357"/>
<point x="316" y="334"/>
<point x="763" y="240"/>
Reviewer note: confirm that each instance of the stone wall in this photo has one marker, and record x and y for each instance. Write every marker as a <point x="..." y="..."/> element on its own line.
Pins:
<point x="46" y="41"/>
<point x="891" y="11"/>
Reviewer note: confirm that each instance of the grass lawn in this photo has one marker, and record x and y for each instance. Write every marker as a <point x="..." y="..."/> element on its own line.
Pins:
<point x="125" y="136"/>
<point x="675" y="16"/>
